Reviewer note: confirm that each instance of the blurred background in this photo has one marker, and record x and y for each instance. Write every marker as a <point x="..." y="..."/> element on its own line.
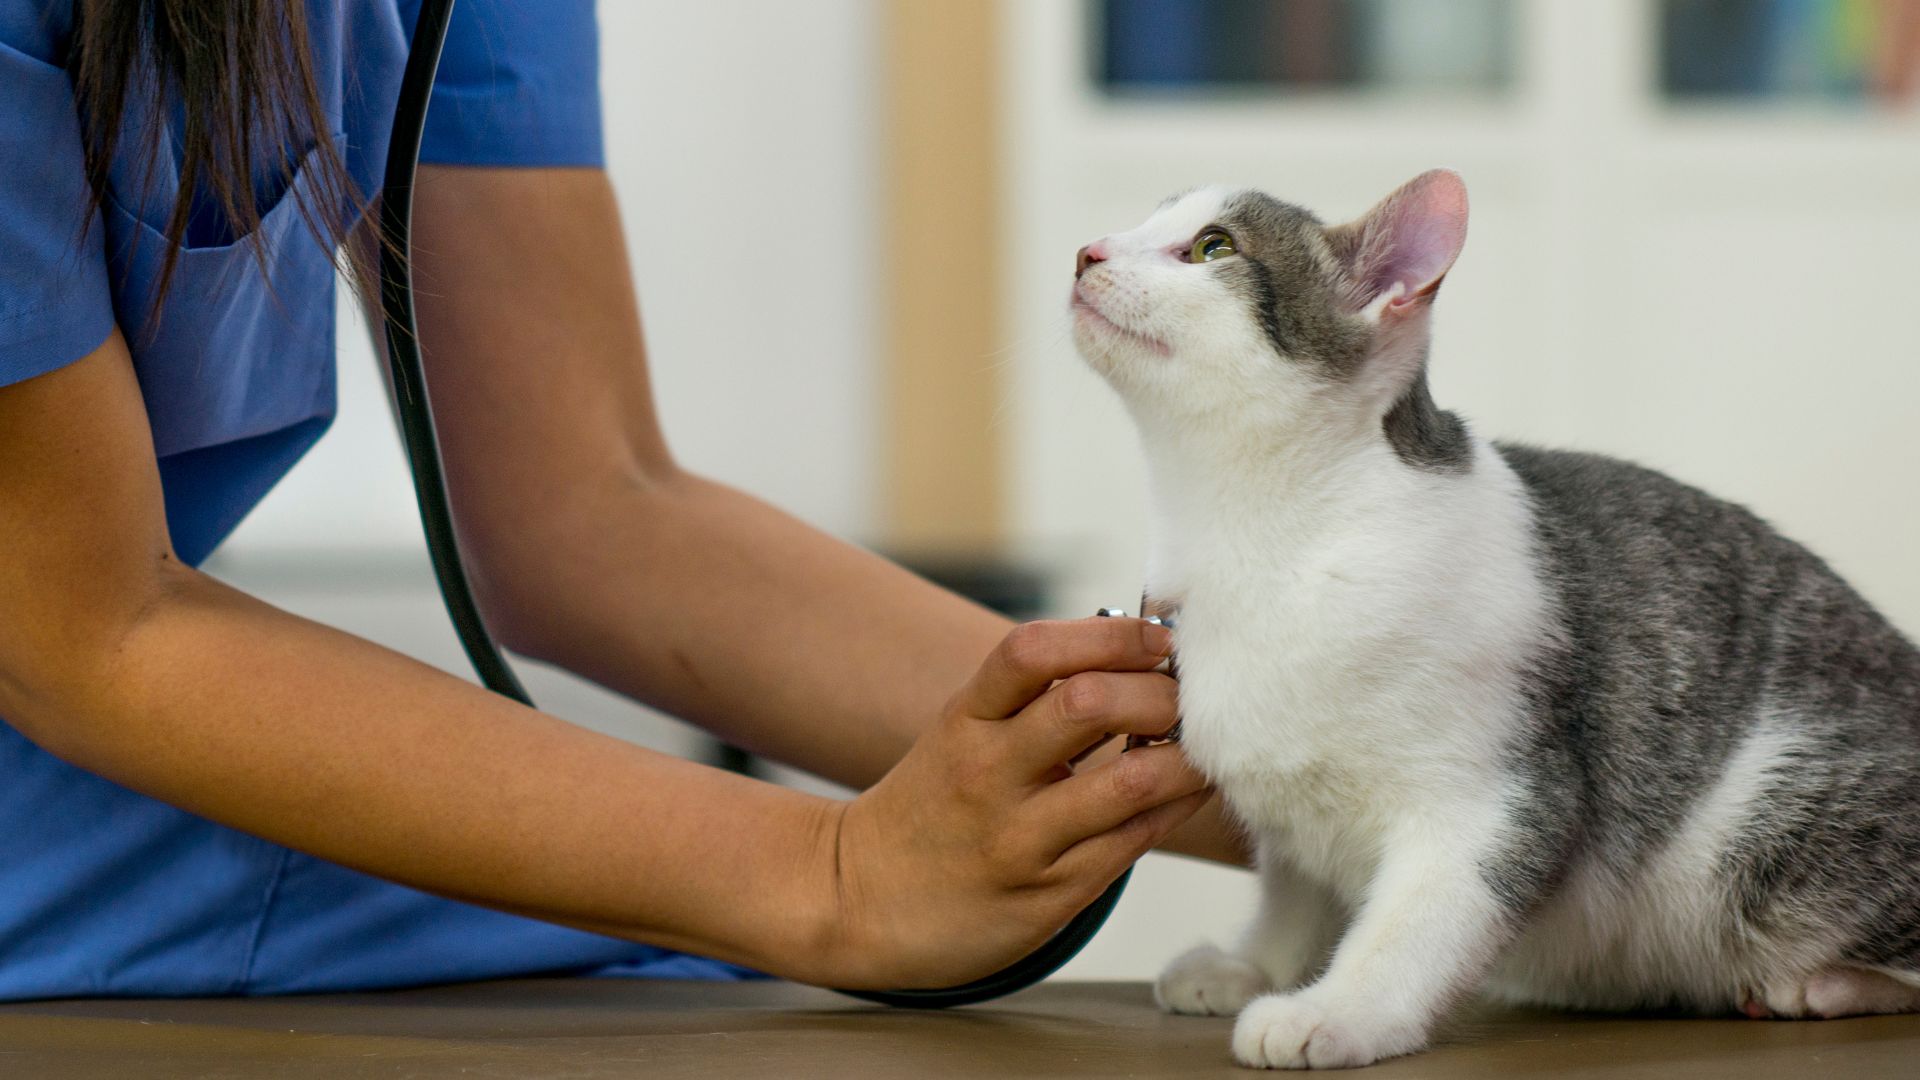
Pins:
<point x="1694" y="237"/>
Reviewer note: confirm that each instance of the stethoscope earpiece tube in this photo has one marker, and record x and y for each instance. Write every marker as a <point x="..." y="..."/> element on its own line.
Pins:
<point x="436" y="514"/>
<point x="403" y="353"/>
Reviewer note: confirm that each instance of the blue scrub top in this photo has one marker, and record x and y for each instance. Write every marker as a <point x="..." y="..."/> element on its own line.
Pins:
<point x="104" y="891"/>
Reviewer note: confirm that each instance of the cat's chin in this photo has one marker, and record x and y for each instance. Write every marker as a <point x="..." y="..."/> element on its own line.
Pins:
<point x="1121" y="364"/>
<point x="1104" y="342"/>
<point x="1096" y="353"/>
<point x="1119" y="368"/>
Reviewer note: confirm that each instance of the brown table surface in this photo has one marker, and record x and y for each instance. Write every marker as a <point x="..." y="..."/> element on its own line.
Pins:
<point x="589" y="1028"/>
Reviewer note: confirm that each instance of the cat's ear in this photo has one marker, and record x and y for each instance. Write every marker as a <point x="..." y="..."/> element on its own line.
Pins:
<point x="1397" y="254"/>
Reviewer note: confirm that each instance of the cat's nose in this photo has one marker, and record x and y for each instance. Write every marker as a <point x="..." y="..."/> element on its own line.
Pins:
<point x="1089" y="255"/>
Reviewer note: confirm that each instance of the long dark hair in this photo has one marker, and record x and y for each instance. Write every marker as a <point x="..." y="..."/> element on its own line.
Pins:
<point x="243" y="71"/>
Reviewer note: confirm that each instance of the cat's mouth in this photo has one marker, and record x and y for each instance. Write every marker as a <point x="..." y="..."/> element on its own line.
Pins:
<point x="1085" y="313"/>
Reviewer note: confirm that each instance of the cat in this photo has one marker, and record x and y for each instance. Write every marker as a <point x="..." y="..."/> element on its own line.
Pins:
<point x="1542" y="725"/>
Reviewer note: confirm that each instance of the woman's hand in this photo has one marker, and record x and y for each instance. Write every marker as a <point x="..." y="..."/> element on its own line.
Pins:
<point x="984" y="840"/>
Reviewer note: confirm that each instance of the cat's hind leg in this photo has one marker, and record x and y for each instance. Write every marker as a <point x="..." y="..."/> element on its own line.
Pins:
<point x="1286" y="945"/>
<point x="1832" y="993"/>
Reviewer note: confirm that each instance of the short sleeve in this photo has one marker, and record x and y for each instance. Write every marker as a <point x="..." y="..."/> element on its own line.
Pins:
<point x="519" y="84"/>
<point x="55" y="303"/>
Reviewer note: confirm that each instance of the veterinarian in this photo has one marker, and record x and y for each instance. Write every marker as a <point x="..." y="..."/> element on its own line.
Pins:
<point x="200" y="794"/>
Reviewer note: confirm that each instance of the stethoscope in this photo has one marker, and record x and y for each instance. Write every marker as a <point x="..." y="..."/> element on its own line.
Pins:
<point x="436" y="518"/>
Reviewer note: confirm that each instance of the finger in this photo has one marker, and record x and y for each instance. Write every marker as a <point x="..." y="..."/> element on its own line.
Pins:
<point x="1102" y="858"/>
<point x="1033" y="655"/>
<point x="1087" y="755"/>
<point x="1082" y="710"/>
<point x="1106" y="798"/>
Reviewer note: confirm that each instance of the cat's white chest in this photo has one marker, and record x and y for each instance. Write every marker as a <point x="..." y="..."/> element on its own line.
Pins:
<point x="1290" y="667"/>
<point x="1358" y="674"/>
<point x="1278" y="709"/>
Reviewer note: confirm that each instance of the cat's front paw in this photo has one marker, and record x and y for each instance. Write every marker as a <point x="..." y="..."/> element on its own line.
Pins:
<point x="1208" y="982"/>
<point x="1303" y="1031"/>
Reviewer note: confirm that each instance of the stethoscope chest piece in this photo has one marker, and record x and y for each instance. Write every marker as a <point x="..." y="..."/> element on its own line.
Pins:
<point x="1164" y="617"/>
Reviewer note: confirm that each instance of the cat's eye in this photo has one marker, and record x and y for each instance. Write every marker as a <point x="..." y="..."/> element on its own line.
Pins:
<point x="1210" y="245"/>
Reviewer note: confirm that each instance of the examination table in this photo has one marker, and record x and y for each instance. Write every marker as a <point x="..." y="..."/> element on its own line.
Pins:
<point x="592" y="1028"/>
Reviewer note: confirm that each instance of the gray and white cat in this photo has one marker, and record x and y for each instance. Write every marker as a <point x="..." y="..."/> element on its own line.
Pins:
<point x="1543" y="725"/>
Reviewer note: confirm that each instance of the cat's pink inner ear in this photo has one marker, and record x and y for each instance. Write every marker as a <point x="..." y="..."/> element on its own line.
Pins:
<point x="1413" y="237"/>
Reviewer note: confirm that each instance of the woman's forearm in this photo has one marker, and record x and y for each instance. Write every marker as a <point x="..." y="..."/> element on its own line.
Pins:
<point x="718" y="608"/>
<point x="249" y="716"/>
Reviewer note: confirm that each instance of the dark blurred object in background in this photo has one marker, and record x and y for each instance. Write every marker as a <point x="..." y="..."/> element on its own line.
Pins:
<point x="1815" y="50"/>
<point x="1018" y="591"/>
<point x="1296" y="45"/>
<point x="1834" y="50"/>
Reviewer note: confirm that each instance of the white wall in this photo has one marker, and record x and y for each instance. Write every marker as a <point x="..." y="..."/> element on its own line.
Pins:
<point x="743" y="137"/>
<point x="1724" y="295"/>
